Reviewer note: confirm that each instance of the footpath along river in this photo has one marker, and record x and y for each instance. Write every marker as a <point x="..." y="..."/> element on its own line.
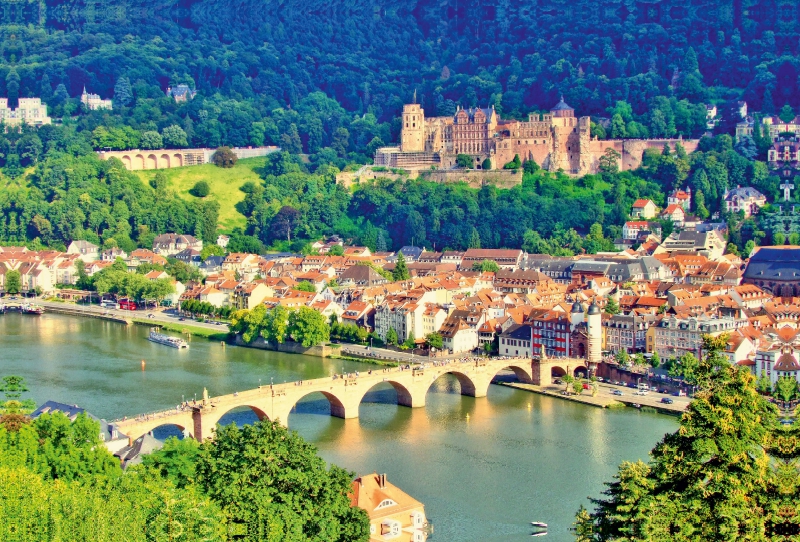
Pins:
<point x="484" y="468"/>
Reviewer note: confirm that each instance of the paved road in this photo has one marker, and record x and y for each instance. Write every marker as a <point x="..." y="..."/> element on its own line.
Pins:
<point x="366" y="351"/>
<point x="157" y="315"/>
<point x="651" y="399"/>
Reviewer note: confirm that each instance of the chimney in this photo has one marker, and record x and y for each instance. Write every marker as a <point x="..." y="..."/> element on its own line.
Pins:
<point x="382" y="481"/>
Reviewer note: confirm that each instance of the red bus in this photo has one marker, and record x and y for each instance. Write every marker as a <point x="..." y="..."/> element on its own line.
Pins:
<point x="127" y="305"/>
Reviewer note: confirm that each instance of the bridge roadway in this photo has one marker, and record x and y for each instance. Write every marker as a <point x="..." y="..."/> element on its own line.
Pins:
<point x="345" y="393"/>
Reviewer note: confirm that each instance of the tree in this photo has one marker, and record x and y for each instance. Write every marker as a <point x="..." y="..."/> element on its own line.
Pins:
<point x="12" y="87"/>
<point x="341" y="141"/>
<point x="174" y="137"/>
<point x="13" y="282"/>
<point x="391" y="337"/>
<point x="151" y="140"/>
<point x="786" y="388"/>
<point x="568" y="380"/>
<point x="655" y="360"/>
<point x="305" y="286"/>
<point x="577" y="387"/>
<point x="709" y="480"/>
<point x="787" y="113"/>
<point x="612" y="307"/>
<point x="486" y="266"/>
<point x="622" y="357"/>
<point x="530" y="166"/>
<point x="410" y="342"/>
<point x="123" y="94"/>
<point x="465" y="161"/>
<point x="516" y="163"/>
<point x="272" y="483"/>
<point x="285" y="222"/>
<point x="609" y="162"/>
<point x="200" y="189"/>
<point x="400" y="271"/>
<point x="60" y="96"/>
<point x="224" y="157"/>
<point x="308" y="327"/>
<point x="336" y="250"/>
<point x="275" y="325"/>
<point x="434" y="340"/>
<point x="486" y="164"/>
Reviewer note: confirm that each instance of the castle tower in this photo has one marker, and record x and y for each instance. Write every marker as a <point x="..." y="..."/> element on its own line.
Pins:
<point x="595" y="332"/>
<point x="412" y="135"/>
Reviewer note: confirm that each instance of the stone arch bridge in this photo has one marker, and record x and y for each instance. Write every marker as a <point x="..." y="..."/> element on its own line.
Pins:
<point x="345" y="393"/>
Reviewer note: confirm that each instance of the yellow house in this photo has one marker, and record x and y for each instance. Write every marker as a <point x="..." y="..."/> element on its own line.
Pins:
<point x="393" y="514"/>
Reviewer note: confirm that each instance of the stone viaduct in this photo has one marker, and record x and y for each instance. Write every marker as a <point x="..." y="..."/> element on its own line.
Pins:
<point x="137" y="159"/>
<point x="275" y="402"/>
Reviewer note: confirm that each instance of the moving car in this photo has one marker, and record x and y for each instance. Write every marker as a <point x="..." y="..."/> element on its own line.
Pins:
<point x="667" y="400"/>
<point x="616" y="392"/>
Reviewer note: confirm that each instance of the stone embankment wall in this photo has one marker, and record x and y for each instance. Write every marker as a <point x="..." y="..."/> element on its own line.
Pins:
<point x="289" y="347"/>
<point x="476" y="178"/>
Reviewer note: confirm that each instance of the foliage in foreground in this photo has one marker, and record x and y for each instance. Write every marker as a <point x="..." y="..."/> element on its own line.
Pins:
<point x="59" y="482"/>
<point x="730" y="472"/>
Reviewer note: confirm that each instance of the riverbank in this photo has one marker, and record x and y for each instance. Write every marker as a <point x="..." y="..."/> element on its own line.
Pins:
<point x="194" y="331"/>
<point x="604" y="399"/>
<point x="76" y="310"/>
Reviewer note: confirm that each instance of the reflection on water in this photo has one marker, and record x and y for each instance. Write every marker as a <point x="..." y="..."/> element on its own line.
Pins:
<point x="484" y="468"/>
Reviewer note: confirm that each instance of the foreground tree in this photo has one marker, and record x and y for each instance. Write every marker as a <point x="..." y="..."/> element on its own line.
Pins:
<point x="710" y="480"/>
<point x="272" y="485"/>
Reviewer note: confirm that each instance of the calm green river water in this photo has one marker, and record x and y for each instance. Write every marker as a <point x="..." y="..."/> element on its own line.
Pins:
<point x="518" y="457"/>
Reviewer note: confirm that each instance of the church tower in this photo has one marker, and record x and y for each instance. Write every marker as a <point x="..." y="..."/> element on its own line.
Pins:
<point x="412" y="135"/>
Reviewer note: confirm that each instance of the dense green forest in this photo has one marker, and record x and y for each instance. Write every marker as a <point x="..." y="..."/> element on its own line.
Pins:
<point x="323" y="75"/>
<point x="327" y="81"/>
<point x="68" y="193"/>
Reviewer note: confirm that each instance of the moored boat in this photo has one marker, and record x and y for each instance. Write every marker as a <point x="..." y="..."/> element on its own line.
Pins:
<point x="30" y="308"/>
<point x="160" y="338"/>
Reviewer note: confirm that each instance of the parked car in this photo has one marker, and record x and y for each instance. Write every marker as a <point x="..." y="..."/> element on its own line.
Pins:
<point x="586" y="386"/>
<point x="600" y="379"/>
<point x="181" y="319"/>
<point x="667" y="400"/>
<point x="558" y="381"/>
<point x="617" y="392"/>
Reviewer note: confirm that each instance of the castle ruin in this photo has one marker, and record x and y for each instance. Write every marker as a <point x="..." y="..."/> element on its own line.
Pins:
<point x="557" y="140"/>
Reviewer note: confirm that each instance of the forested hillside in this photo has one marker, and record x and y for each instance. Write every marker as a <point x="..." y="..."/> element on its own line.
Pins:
<point x="328" y="79"/>
<point x="371" y="56"/>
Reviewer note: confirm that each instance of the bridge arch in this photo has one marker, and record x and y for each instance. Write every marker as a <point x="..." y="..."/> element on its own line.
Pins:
<point x="524" y="373"/>
<point x="339" y="407"/>
<point x="177" y="160"/>
<point x="151" y="162"/>
<point x="210" y="421"/>
<point x="467" y="384"/>
<point x="126" y="161"/>
<point x="405" y="396"/>
<point x="557" y="371"/>
<point x="138" y="162"/>
<point x="580" y="371"/>
<point x="136" y="427"/>
<point x="163" y="162"/>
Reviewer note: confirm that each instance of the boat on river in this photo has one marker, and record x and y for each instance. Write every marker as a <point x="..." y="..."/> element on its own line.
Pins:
<point x="30" y="308"/>
<point x="166" y="340"/>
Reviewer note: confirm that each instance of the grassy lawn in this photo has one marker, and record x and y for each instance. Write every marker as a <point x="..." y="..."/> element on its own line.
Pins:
<point x="195" y="331"/>
<point x="224" y="185"/>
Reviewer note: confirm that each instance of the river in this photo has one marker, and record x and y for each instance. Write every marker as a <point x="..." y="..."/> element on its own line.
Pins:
<point x="484" y="468"/>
